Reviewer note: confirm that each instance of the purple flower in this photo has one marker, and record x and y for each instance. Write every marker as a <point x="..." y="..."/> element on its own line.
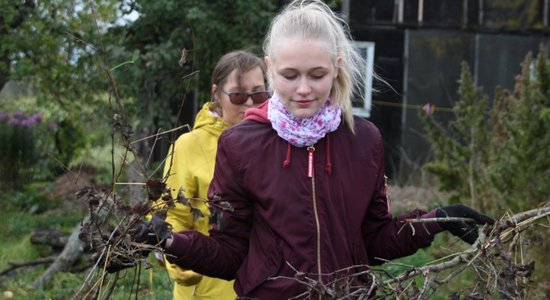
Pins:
<point x="19" y="118"/>
<point x="37" y="117"/>
<point x="15" y="122"/>
<point x="18" y="113"/>
<point x="28" y="123"/>
<point x="428" y="108"/>
<point x="31" y="121"/>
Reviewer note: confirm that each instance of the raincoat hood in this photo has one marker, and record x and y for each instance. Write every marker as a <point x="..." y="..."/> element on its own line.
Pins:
<point x="209" y="121"/>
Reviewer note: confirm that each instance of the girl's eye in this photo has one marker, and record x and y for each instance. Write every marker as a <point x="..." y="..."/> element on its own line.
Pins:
<point x="317" y="76"/>
<point x="290" y="77"/>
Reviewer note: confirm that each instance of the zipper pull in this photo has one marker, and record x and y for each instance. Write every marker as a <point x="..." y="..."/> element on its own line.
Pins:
<point x="310" y="151"/>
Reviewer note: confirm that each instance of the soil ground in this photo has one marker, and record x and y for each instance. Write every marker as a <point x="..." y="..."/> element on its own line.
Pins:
<point x="65" y="188"/>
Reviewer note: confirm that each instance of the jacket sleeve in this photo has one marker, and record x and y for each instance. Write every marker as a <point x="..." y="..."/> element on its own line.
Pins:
<point x="389" y="237"/>
<point x="221" y="254"/>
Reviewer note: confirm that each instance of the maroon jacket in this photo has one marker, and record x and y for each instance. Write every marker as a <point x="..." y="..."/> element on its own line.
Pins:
<point x="284" y="221"/>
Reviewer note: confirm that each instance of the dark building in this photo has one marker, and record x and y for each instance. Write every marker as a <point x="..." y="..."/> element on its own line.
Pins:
<point x="419" y="46"/>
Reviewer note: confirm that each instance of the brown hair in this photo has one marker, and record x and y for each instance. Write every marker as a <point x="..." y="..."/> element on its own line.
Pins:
<point x="239" y="61"/>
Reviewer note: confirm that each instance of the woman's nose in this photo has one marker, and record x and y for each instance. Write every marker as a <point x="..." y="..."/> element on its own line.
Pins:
<point x="249" y="101"/>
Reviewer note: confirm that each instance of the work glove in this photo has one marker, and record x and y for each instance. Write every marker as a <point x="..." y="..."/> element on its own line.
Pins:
<point x="151" y="234"/>
<point x="467" y="231"/>
<point x="154" y="232"/>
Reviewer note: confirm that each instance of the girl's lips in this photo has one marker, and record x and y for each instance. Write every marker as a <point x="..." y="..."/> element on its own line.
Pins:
<point x="304" y="103"/>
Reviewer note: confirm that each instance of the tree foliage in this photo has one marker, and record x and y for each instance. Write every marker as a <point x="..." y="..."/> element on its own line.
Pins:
<point x="51" y="49"/>
<point x="62" y="50"/>
<point x="155" y="40"/>
<point x="12" y="17"/>
<point x="52" y="46"/>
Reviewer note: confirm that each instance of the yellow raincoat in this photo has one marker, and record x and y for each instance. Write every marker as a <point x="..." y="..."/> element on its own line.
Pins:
<point x="191" y="167"/>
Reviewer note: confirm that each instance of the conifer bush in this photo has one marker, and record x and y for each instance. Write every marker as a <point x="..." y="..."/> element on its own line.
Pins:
<point x="495" y="156"/>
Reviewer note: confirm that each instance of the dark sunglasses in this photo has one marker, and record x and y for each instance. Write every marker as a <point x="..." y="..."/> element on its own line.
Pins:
<point x="239" y="98"/>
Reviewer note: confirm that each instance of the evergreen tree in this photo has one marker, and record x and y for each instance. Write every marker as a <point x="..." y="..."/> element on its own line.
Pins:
<point x="496" y="157"/>
<point x="520" y="164"/>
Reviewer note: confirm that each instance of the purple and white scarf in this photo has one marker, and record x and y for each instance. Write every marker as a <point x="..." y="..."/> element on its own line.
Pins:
<point x="303" y="132"/>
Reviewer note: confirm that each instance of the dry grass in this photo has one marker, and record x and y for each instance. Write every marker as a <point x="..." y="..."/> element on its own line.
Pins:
<point x="406" y="198"/>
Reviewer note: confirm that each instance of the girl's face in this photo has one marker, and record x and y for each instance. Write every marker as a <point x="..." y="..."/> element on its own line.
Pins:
<point x="250" y="82"/>
<point x="302" y="74"/>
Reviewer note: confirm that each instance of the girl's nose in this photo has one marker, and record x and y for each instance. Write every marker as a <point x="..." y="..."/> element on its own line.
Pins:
<point x="303" y="86"/>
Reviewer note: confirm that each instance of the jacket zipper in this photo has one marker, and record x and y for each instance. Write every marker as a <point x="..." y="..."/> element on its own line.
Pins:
<point x="310" y="174"/>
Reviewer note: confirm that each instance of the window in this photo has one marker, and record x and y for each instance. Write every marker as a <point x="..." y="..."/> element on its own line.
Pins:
<point x="362" y="102"/>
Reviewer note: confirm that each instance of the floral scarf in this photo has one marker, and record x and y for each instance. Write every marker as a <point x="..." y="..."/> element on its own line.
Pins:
<point x="303" y="132"/>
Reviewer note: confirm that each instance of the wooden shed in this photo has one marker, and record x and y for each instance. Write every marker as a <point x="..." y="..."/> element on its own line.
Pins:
<point x="418" y="47"/>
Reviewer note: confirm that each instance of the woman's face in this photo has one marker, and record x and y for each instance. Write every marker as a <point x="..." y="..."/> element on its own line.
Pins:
<point x="251" y="81"/>
<point x="302" y="73"/>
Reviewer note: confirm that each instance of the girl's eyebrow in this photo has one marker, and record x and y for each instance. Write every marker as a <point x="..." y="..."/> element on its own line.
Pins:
<point x="295" y="69"/>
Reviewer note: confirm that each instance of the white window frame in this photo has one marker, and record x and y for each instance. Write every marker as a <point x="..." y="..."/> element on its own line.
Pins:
<point x="366" y="48"/>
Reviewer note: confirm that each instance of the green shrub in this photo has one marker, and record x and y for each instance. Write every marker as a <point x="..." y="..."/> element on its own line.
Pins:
<point x="68" y="140"/>
<point x="33" y="198"/>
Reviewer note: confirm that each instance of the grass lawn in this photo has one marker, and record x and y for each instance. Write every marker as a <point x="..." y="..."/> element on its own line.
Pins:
<point x="15" y="232"/>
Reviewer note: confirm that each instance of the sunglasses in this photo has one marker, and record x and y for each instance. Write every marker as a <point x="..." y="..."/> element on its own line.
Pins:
<point x="239" y="98"/>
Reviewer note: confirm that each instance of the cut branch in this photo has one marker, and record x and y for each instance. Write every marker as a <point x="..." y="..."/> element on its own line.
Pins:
<point x="15" y="265"/>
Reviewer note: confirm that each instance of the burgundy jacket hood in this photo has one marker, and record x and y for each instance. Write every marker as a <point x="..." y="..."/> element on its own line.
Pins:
<point x="258" y="114"/>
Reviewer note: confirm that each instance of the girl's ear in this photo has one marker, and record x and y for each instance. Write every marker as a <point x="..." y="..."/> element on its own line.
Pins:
<point x="267" y="61"/>
<point x="338" y="66"/>
<point x="213" y="92"/>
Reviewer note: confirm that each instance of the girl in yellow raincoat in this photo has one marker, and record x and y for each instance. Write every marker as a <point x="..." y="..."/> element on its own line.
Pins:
<point x="238" y="83"/>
